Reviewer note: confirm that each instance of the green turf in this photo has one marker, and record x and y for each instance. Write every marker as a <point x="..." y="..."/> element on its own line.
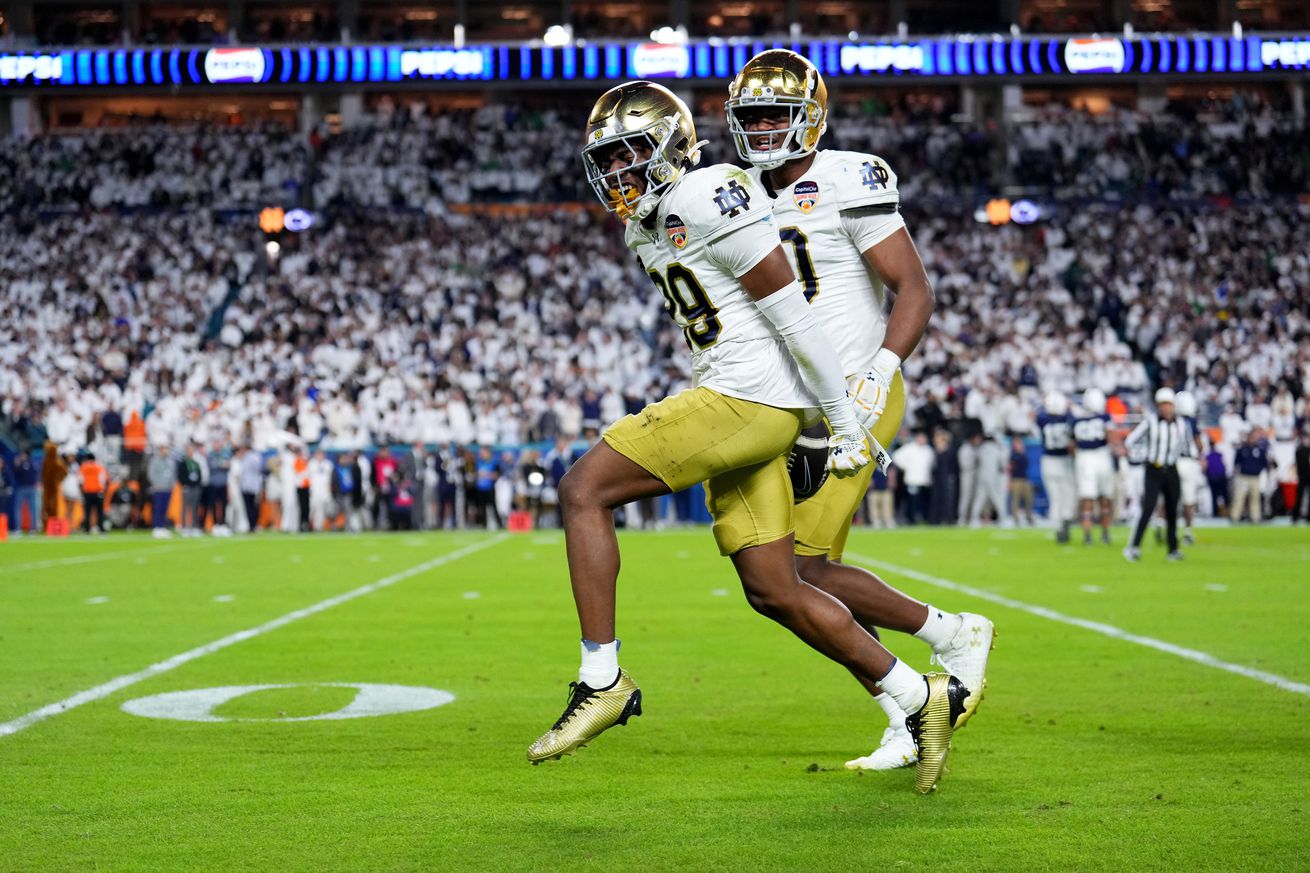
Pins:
<point x="1091" y="753"/>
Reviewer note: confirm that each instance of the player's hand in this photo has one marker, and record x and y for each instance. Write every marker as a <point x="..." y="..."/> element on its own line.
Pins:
<point x="869" y="390"/>
<point x="848" y="454"/>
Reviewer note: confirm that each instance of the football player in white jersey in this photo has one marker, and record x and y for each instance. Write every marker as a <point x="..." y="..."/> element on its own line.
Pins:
<point x="1055" y="424"/>
<point x="838" y="216"/>
<point x="761" y="366"/>
<point x="1190" y="477"/>
<point x="1094" y="463"/>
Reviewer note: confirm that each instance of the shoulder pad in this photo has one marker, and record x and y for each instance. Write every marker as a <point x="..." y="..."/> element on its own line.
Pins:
<point x="714" y="201"/>
<point x="863" y="180"/>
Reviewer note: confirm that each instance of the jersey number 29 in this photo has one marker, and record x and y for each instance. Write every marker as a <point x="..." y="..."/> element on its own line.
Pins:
<point x="685" y="296"/>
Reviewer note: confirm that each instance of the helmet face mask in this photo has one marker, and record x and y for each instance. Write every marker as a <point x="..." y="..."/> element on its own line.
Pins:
<point x="783" y="143"/>
<point x="651" y="131"/>
<point x="783" y="81"/>
<point x="645" y="160"/>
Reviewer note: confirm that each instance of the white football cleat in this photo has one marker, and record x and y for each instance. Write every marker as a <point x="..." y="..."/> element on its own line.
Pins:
<point x="896" y="751"/>
<point x="965" y="658"/>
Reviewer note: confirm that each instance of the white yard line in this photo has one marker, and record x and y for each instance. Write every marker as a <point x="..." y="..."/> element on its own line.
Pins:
<point x="95" y="556"/>
<point x="113" y="685"/>
<point x="1204" y="658"/>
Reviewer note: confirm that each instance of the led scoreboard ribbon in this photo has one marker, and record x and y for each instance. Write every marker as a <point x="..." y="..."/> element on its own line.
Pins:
<point x="984" y="57"/>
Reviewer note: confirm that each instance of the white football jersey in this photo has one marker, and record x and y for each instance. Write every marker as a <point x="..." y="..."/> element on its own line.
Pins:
<point x="844" y="204"/>
<point x="712" y="226"/>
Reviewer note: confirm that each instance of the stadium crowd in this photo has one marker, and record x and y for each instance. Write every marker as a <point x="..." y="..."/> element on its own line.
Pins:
<point x="441" y="302"/>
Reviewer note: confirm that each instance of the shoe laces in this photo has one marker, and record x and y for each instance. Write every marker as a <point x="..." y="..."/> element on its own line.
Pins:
<point x="579" y="694"/>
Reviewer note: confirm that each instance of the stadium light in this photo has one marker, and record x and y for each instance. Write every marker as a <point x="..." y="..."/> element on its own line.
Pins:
<point x="558" y="35"/>
<point x="272" y="248"/>
<point x="669" y="35"/>
<point x="298" y="220"/>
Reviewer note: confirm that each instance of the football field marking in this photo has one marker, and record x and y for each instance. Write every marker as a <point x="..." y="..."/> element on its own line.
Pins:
<point x="370" y="700"/>
<point x="114" y="685"/>
<point x="87" y="559"/>
<point x="1108" y="630"/>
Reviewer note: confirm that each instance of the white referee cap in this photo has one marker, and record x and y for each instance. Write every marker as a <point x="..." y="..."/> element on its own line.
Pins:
<point x="1164" y="395"/>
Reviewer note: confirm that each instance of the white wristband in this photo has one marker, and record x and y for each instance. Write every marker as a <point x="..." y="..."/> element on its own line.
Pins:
<point x="886" y="361"/>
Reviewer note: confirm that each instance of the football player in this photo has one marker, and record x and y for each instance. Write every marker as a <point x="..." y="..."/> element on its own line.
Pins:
<point x="838" y="216"/>
<point x="1094" y="463"/>
<point x="1055" y="423"/>
<point x="1190" y="477"/>
<point x="761" y="366"/>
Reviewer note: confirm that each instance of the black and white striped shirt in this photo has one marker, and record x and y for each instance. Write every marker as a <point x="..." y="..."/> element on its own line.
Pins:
<point x="1165" y="441"/>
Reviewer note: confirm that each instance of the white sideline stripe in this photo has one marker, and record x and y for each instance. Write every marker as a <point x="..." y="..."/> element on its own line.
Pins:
<point x="1108" y="630"/>
<point x="113" y="685"/>
<point x="87" y="559"/>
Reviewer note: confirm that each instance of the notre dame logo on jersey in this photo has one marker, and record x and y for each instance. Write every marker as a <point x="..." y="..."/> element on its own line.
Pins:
<point x="874" y="176"/>
<point x="732" y="199"/>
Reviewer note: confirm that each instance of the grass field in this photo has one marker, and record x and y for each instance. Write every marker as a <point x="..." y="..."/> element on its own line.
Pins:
<point x="1092" y="752"/>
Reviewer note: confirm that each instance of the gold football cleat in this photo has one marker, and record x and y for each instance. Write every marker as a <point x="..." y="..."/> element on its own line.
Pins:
<point x="933" y="725"/>
<point x="588" y="714"/>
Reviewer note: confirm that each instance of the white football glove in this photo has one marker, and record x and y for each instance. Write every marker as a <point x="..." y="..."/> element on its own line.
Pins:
<point x="869" y="390"/>
<point x="848" y="454"/>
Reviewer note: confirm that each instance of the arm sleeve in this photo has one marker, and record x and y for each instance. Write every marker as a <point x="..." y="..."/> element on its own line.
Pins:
<point x="744" y="247"/>
<point x="870" y="225"/>
<point x="815" y="357"/>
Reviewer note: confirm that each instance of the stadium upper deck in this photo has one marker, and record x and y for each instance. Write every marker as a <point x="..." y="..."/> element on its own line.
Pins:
<point x="142" y="22"/>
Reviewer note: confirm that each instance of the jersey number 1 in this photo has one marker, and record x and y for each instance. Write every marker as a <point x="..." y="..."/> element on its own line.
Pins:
<point x="804" y="263"/>
<point x="685" y="296"/>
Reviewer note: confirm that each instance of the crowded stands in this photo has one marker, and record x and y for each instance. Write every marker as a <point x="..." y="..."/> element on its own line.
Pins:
<point x="452" y="295"/>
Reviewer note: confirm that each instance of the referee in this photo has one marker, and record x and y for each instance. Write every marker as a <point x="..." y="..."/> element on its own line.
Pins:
<point x="1166" y="439"/>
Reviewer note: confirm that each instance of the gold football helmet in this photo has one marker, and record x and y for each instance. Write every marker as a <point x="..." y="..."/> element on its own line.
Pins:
<point x="777" y="78"/>
<point x="649" y="128"/>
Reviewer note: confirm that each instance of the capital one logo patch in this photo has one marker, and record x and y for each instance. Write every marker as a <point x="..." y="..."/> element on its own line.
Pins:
<point x="677" y="230"/>
<point x="371" y="700"/>
<point x="806" y="195"/>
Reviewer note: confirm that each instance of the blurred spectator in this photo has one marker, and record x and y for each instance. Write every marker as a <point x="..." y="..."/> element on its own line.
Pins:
<point x="250" y="471"/>
<point x="968" y="459"/>
<point x="25" y="492"/>
<point x="916" y="461"/>
<point x="946" y="488"/>
<point x="384" y="480"/>
<point x="161" y="473"/>
<point x="321" y="511"/>
<point x="213" y="502"/>
<point x="878" y="500"/>
<point x="1301" y="503"/>
<point x="1250" y="461"/>
<point x="348" y="488"/>
<point x="1216" y="475"/>
<point x="193" y="476"/>
<point x="53" y="472"/>
<point x="485" y="513"/>
<point x="8" y="505"/>
<point x="1021" y="486"/>
<point x="95" y="482"/>
<point x="992" y="486"/>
